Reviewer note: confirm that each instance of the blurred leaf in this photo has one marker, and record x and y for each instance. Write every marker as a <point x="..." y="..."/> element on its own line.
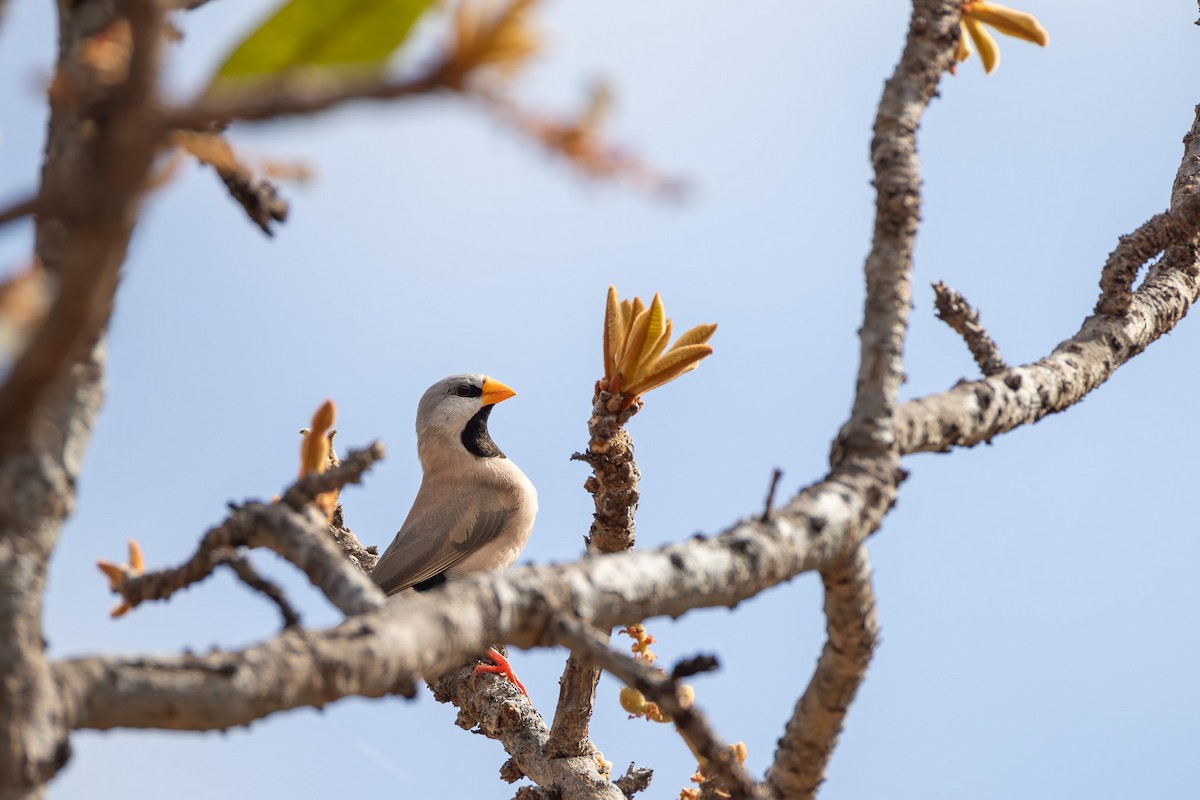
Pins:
<point x="348" y="34"/>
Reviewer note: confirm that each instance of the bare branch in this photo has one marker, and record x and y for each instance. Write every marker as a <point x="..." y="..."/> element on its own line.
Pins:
<point x="928" y="54"/>
<point x="249" y="576"/>
<point x="977" y="411"/>
<point x="692" y="725"/>
<point x="613" y="486"/>
<point x="812" y="733"/>
<point x="955" y="311"/>
<point x="496" y="709"/>
<point x="1177" y="226"/>
<point x="302" y="539"/>
<point x="769" y="503"/>
<point x="20" y="209"/>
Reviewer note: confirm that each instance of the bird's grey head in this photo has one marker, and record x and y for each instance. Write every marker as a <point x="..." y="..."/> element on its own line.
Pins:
<point x="455" y="410"/>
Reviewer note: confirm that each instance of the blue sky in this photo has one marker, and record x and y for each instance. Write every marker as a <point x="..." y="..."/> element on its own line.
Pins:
<point x="1035" y="595"/>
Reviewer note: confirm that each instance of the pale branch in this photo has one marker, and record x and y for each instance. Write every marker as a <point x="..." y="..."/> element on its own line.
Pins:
<point x="301" y="537"/>
<point x="963" y="319"/>
<point x="663" y="690"/>
<point x="977" y="411"/>
<point x="1176" y="226"/>
<point x="429" y="633"/>
<point x="613" y="486"/>
<point x="928" y="54"/>
<point x="248" y="575"/>
<point x="495" y="708"/>
<point x="812" y="732"/>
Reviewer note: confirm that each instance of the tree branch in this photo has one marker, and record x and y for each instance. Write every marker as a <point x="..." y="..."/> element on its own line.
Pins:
<point x="298" y="534"/>
<point x="428" y="634"/>
<point x="692" y="725"/>
<point x="812" y="733"/>
<point x="955" y="311"/>
<point x="928" y="54"/>
<point x="248" y="575"/>
<point x="52" y="393"/>
<point x="977" y="411"/>
<point x="613" y="486"/>
<point x="498" y="710"/>
<point x="1176" y="226"/>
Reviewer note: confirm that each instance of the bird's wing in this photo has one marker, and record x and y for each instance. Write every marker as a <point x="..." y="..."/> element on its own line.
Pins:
<point x="436" y="536"/>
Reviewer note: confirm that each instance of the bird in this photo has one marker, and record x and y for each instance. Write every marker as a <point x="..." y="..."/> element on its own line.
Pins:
<point x="475" y="508"/>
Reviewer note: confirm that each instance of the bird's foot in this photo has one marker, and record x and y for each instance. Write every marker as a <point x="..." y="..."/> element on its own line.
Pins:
<point x="500" y="666"/>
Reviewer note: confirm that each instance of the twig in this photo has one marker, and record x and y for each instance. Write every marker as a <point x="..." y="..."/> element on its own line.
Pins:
<point x="1177" y="226"/>
<point x="349" y="470"/>
<point x="289" y="528"/>
<point x="692" y="725"/>
<point x="497" y="710"/>
<point x="776" y="474"/>
<point x="295" y="99"/>
<point x="20" y="209"/>
<point x="955" y="311"/>
<point x="812" y="732"/>
<point x="249" y="576"/>
<point x="636" y="779"/>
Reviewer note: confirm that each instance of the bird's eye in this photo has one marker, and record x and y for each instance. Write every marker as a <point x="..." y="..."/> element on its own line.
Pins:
<point x="464" y="390"/>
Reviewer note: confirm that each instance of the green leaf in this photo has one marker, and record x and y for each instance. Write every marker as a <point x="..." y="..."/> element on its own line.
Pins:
<point x="356" y="35"/>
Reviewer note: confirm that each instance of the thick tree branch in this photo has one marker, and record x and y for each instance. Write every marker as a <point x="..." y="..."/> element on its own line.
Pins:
<point x="52" y="393"/>
<point x="692" y="725"/>
<point x="928" y="54"/>
<point x="428" y="634"/>
<point x="812" y="733"/>
<point x="955" y="311"/>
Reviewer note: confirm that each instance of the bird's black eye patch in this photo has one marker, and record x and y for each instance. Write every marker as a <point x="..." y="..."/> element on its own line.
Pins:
<point x="468" y="390"/>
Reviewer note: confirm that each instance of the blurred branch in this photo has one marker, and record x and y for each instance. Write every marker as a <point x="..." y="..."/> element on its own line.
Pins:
<point x="288" y="99"/>
<point x="955" y="311"/>
<point x="812" y="733"/>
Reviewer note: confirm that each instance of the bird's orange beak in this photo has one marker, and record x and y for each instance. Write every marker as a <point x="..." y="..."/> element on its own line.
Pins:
<point x="494" y="391"/>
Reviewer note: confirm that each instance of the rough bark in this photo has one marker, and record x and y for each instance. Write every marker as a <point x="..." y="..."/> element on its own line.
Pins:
<point x="95" y="173"/>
